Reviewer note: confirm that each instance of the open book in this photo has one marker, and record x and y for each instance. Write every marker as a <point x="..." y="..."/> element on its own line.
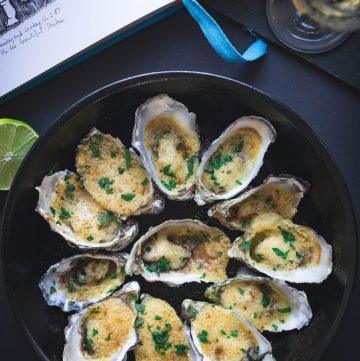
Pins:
<point x="37" y="36"/>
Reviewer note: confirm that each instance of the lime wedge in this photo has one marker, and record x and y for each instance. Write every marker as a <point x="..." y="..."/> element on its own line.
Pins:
<point x="16" y="138"/>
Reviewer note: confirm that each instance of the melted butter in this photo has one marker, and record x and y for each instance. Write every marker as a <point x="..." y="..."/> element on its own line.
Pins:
<point x="107" y="327"/>
<point x="170" y="143"/>
<point x="226" y="334"/>
<point x="112" y="157"/>
<point x="159" y="313"/>
<point x="247" y="296"/>
<point x="232" y="162"/>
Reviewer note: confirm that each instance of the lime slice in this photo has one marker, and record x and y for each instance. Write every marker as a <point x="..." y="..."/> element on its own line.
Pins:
<point x="16" y="138"/>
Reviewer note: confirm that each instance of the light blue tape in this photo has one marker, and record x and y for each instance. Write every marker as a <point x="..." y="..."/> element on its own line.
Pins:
<point x="218" y="40"/>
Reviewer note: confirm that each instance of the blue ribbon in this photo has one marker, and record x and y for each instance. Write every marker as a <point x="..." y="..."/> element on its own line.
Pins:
<point x="218" y="40"/>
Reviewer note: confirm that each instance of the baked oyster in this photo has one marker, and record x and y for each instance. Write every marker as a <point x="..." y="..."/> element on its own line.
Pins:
<point x="280" y="194"/>
<point x="180" y="251"/>
<point x="166" y="137"/>
<point x="218" y="334"/>
<point x="270" y="305"/>
<point x="104" y="331"/>
<point x="161" y="332"/>
<point x="74" y="214"/>
<point x="78" y="281"/>
<point x="115" y="176"/>
<point x="283" y="250"/>
<point x="233" y="160"/>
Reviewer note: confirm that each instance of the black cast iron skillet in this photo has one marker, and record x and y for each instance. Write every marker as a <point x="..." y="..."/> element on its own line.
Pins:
<point x="29" y="247"/>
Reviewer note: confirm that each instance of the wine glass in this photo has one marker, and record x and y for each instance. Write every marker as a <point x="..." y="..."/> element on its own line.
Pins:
<point x="313" y="26"/>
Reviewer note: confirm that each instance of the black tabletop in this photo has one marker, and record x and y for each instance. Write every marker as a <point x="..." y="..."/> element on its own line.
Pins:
<point x="176" y="43"/>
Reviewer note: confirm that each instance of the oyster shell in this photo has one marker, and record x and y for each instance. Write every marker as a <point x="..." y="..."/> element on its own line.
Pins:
<point x="157" y="319"/>
<point x="74" y="214"/>
<point x="104" y="331"/>
<point x="233" y="159"/>
<point x="115" y="176"/>
<point x="220" y="334"/>
<point x="166" y="137"/>
<point x="270" y="305"/>
<point x="281" y="195"/>
<point x="78" y="281"/>
<point x="180" y="251"/>
<point x="283" y="250"/>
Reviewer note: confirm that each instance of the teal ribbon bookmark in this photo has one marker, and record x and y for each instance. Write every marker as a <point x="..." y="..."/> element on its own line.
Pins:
<point x="218" y="40"/>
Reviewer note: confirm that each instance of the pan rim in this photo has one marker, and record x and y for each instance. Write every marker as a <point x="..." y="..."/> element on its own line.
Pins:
<point x="152" y="77"/>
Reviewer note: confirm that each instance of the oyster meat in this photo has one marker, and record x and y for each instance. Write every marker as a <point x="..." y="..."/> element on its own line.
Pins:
<point x="218" y="334"/>
<point x="78" y="281"/>
<point x="281" y="195"/>
<point x="115" y="176"/>
<point x="284" y="250"/>
<point x="74" y="214"/>
<point x="161" y="332"/>
<point x="166" y="137"/>
<point x="270" y="305"/>
<point x="233" y="159"/>
<point x="104" y="331"/>
<point x="180" y="251"/>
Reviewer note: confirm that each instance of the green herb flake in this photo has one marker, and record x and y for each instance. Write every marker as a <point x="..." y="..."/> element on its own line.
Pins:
<point x="255" y="315"/>
<point x="223" y="332"/>
<point x="170" y="186"/>
<point x="274" y="269"/>
<point x="247" y="245"/>
<point x="260" y="257"/>
<point x="147" y="248"/>
<point x="53" y="212"/>
<point x="181" y="350"/>
<point x="220" y="253"/>
<point x="190" y="166"/>
<point x="199" y="266"/>
<point x="105" y="183"/>
<point x="70" y="287"/>
<point x="292" y="246"/>
<point x="168" y="326"/>
<point x="90" y="238"/>
<point x="217" y="238"/>
<point x="275" y="327"/>
<point x="113" y="277"/>
<point x="239" y="146"/>
<point x="157" y="318"/>
<point x="94" y="332"/>
<point x="238" y="182"/>
<point x="298" y="254"/>
<point x="64" y="214"/>
<point x="162" y="265"/>
<point x="127" y="157"/>
<point x="288" y="236"/>
<point x="113" y="153"/>
<point x="284" y="310"/>
<point x="140" y="308"/>
<point x="99" y="137"/>
<point x="105" y="218"/>
<point x="234" y="333"/>
<point x="160" y="339"/>
<point x="243" y="350"/>
<point x="166" y="171"/>
<point x="193" y="312"/>
<point x="280" y="253"/>
<point x="133" y="297"/>
<point x="139" y="322"/>
<point x="241" y="291"/>
<point x="94" y="149"/>
<point x="121" y="170"/>
<point x="145" y="182"/>
<point x="265" y="300"/>
<point x="69" y="190"/>
<point x="107" y="338"/>
<point x="128" y="197"/>
<point x="52" y="290"/>
<point x="203" y="275"/>
<point x="113" y="289"/>
<point x="89" y="345"/>
<point x="202" y="336"/>
<point x="257" y="350"/>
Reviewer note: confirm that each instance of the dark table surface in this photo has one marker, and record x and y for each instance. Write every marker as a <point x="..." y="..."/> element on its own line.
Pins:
<point x="176" y="43"/>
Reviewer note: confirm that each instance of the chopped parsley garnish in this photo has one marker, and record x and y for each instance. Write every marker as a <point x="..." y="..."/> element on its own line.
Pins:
<point x="168" y="326"/>
<point x="99" y="137"/>
<point x="147" y="248"/>
<point x="121" y="170"/>
<point x="64" y="214"/>
<point x="52" y="290"/>
<point x="247" y="245"/>
<point x="170" y="186"/>
<point x="166" y="171"/>
<point x="220" y="253"/>
<point x="243" y="350"/>
<point x="70" y="287"/>
<point x="113" y="153"/>
<point x="275" y="327"/>
<point x="140" y="308"/>
<point x="288" y="236"/>
<point x="223" y="332"/>
<point x="133" y="297"/>
<point x="203" y="275"/>
<point x="181" y="349"/>
<point x="94" y="149"/>
<point x="193" y="312"/>
<point x="202" y="336"/>
<point x="107" y="338"/>
<point x="190" y="167"/>
<point x="53" y="212"/>
<point x="260" y="256"/>
<point x="292" y="246"/>
<point x="160" y="339"/>
<point x="127" y="157"/>
<point x="105" y="183"/>
<point x="238" y="182"/>
<point x="284" y="310"/>
<point x="241" y="291"/>
<point x="113" y="277"/>
<point x="90" y="238"/>
<point x="239" y="146"/>
<point x="113" y="289"/>
<point x="265" y="300"/>
<point x="145" y="182"/>
<point x="139" y="322"/>
<point x="157" y="318"/>
<point x="280" y="253"/>
<point x="71" y="303"/>
<point x="255" y="315"/>
<point x="217" y="238"/>
<point x="94" y="332"/>
<point x="199" y="266"/>
<point x="89" y="345"/>
<point x="298" y="254"/>
<point x="128" y="197"/>
<point x="162" y="265"/>
<point x="69" y="190"/>
<point x="234" y="333"/>
<point x="105" y="218"/>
